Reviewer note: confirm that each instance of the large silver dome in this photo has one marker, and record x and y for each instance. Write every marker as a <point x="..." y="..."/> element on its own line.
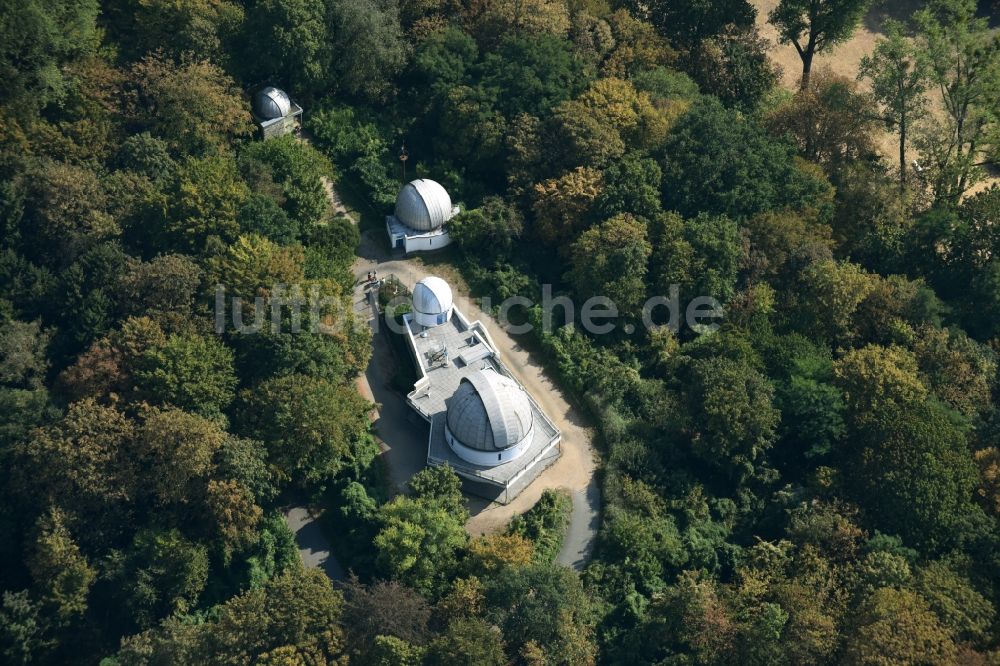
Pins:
<point x="423" y="205"/>
<point x="489" y="412"/>
<point x="271" y="103"/>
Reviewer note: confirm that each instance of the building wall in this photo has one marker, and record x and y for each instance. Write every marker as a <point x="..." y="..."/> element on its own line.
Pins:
<point x="425" y="243"/>
<point x="488" y="458"/>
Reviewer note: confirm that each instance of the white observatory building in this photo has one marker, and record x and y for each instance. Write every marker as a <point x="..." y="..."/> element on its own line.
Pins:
<point x="275" y="113"/>
<point x="419" y="222"/>
<point x="483" y="423"/>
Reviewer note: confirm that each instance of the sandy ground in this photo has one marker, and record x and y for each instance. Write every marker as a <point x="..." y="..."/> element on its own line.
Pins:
<point x="407" y="443"/>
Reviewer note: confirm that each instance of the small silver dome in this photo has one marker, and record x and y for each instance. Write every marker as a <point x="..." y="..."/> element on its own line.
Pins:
<point x="271" y="103"/>
<point x="432" y="295"/>
<point x="423" y="205"/>
<point x="489" y="412"/>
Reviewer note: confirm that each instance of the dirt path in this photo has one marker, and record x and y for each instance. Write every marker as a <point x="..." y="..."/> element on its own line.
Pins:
<point x="574" y="471"/>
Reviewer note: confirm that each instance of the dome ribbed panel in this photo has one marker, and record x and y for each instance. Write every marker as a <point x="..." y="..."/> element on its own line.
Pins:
<point x="423" y="205"/>
<point x="489" y="412"/>
<point x="271" y="103"/>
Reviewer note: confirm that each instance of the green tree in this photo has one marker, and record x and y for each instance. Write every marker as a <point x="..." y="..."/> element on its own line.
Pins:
<point x="899" y="72"/>
<point x="164" y="287"/>
<point x="288" y="42"/>
<point x="815" y="26"/>
<point x="204" y="201"/>
<point x="687" y="23"/>
<point x="368" y="44"/>
<point x="631" y="185"/>
<point x="469" y="640"/>
<point x="734" y="66"/>
<point x="294" y="616"/>
<point x="609" y="260"/>
<point x="489" y="231"/>
<point x="192" y="372"/>
<point x="914" y="471"/>
<point x="313" y="428"/>
<point x="718" y="161"/>
<point x="440" y="485"/>
<point x="532" y="74"/>
<point x="963" y="610"/>
<point x="545" y="606"/>
<point x="419" y="542"/>
<point x="732" y="418"/>
<point x="298" y="169"/>
<point x="964" y="62"/>
<point x="38" y="38"/>
<point x="22" y="628"/>
<point x="161" y="573"/>
<point x="202" y="27"/>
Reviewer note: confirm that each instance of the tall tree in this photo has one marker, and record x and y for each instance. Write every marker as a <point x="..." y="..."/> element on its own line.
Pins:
<point x="813" y="26"/>
<point x="964" y="58"/>
<point x="898" y="71"/>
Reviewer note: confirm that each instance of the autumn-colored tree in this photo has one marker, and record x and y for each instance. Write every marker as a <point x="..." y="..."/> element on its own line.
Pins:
<point x="562" y="205"/>
<point x="194" y="106"/>
<point x="181" y="448"/>
<point x="491" y="19"/>
<point x="84" y="464"/>
<point x="58" y="567"/>
<point x="831" y="120"/>
<point x="490" y="554"/>
<point x="873" y="378"/>
<point x="897" y="627"/>
<point x="833" y="291"/>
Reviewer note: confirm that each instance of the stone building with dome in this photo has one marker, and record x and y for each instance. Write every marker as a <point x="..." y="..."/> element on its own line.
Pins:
<point x="275" y="113"/>
<point x="420" y="220"/>
<point x="483" y="423"/>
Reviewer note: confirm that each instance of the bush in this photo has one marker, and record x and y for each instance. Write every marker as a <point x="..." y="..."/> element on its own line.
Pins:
<point x="545" y="524"/>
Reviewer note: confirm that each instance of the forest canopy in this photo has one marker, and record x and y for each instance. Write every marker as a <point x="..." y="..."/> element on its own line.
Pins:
<point x="815" y="482"/>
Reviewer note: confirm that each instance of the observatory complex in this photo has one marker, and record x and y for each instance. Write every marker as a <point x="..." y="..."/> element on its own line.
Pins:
<point x="419" y="222"/>
<point x="483" y="423"/>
